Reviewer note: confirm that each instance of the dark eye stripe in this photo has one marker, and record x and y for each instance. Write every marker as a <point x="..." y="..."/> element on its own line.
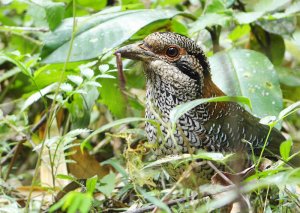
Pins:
<point x="204" y="63"/>
<point x="188" y="71"/>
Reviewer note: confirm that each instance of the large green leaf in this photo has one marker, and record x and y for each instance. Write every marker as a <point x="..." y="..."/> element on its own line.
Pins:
<point x="246" y="18"/>
<point x="209" y="20"/>
<point x="282" y="26"/>
<point x="46" y="13"/>
<point x="248" y="73"/>
<point x="265" y="42"/>
<point x="108" y="183"/>
<point x="98" y="33"/>
<point x="288" y="76"/>
<point x="270" y="5"/>
<point x="111" y="96"/>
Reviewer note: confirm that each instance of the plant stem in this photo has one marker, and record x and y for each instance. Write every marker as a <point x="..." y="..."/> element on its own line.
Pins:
<point x="52" y="109"/>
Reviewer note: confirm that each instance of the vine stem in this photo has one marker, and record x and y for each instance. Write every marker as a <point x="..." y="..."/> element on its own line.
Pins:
<point x="52" y="109"/>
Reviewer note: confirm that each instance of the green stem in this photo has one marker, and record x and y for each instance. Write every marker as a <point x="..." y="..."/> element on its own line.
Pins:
<point x="264" y="146"/>
<point x="22" y="35"/>
<point x="52" y="109"/>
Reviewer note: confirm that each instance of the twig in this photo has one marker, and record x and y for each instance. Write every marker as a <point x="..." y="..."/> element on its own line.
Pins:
<point x="24" y="29"/>
<point x="220" y="173"/>
<point x="40" y="123"/>
<point x="120" y="71"/>
<point x="184" y="200"/>
<point x="24" y="138"/>
<point x="242" y="198"/>
<point x="70" y="187"/>
<point x="16" y="150"/>
<point x="169" y="203"/>
<point x="37" y="42"/>
<point x="183" y="176"/>
<point x="12" y="162"/>
<point x="215" y="36"/>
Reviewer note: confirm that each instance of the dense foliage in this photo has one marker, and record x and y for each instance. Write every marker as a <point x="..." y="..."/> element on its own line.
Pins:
<point x="67" y="120"/>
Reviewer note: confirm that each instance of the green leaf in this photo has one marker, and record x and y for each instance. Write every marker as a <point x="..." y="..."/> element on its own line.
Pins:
<point x="283" y="26"/>
<point x="15" y="60"/>
<point x="209" y="20"/>
<point x="250" y="74"/>
<point x="108" y="183"/>
<point x="288" y="76"/>
<point x="49" y="74"/>
<point x="103" y="68"/>
<point x="216" y="6"/>
<point x="95" y="4"/>
<point x="47" y="13"/>
<point x="9" y="73"/>
<point x="269" y="5"/>
<point x="265" y="42"/>
<point x="86" y="205"/>
<point x="91" y="184"/>
<point x="76" y="132"/>
<point x="112" y="96"/>
<point x="36" y="96"/>
<point x="293" y="45"/>
<point x="290" y="109"/>
<point x="81" y="106"/>
<point x="75" y="79"/>
<point x="239" y="31"/>
<point x="213" y="156"/>
<point x="116" y="164"/>
<point x="87" y="72"/>
<point x="98" y="33"/>
<point x="74" y="201"/>
<point x="65" y="177"/>
<point x="181" y="109"/>
<point x="247" y="18"/>
<point x="55" y="12"/>
<point x="285" y="149"/>
<point x="294" y="8"/>
<point x="66" y="87"/>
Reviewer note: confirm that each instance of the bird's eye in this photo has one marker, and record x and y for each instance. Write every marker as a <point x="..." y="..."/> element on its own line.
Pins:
<point x="172" y="52"/>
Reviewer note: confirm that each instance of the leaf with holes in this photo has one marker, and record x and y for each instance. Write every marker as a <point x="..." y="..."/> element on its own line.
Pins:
<point x="248" y="73"/>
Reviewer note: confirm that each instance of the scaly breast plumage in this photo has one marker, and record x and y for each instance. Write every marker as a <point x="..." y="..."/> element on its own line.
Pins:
<point x="189" y="127"/>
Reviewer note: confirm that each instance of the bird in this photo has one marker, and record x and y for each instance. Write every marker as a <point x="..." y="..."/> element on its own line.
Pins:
<point x="177" y="71"/>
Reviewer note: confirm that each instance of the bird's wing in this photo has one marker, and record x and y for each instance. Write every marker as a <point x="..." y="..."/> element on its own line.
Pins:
<point x="231" y="131"/>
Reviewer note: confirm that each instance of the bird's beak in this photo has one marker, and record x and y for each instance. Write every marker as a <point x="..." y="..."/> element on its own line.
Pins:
<point x="137" y="51"/>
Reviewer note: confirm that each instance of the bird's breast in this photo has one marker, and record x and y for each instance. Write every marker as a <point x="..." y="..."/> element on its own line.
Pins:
<point x="161" y="99"/>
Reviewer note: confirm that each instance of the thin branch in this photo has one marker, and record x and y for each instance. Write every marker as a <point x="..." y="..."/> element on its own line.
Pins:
<point x="184" y="200"/>
<point x="37" y="42"/>
<point x="40" y="123"/>
<point x="120" y="71"/>
<point x="23" y="29"/>
<point x="16" y="152"/>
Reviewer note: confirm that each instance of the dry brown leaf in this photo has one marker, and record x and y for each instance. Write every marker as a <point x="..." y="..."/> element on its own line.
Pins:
<point x="86" y="166"/>
<point x="218" y="179"/>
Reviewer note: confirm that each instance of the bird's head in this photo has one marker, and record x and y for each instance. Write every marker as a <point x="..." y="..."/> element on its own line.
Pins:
<point x="176" y="58"/>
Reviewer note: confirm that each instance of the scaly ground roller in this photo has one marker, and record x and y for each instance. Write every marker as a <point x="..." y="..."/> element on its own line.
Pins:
<point x="177" y="71"/>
